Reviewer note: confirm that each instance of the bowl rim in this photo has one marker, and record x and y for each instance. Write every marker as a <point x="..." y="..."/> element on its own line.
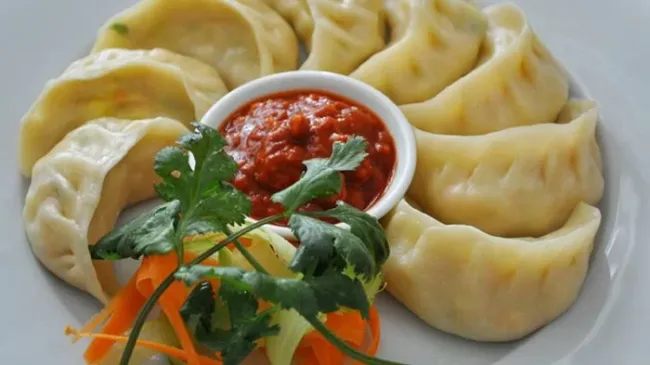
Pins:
<point x="354" y="90"/>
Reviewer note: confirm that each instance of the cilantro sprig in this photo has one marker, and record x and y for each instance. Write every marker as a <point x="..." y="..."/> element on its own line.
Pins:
<point x="331" y="264"/>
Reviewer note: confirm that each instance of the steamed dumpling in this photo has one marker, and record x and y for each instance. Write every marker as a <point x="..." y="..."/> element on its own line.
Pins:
<point x="434" y="42"/>
<point x="117" y="83"/>
<point x="340" y="34"/>
<point x="79" y="188"/>
<point x="516" y="83"/>
<point x="243" y="39"/>
<point x="518" y="182"/>
<point x="486" y="288"/>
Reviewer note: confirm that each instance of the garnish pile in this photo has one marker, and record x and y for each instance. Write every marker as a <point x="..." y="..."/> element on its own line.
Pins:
<point x="222" y="312"/>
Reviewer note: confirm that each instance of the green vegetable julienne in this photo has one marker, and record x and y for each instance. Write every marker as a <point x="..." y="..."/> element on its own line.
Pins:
<point x="120" y="28"/>
<point x="333" y="265"/>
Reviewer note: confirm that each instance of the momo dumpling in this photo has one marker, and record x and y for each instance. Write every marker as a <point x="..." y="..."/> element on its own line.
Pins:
<point x="79" y="188"/>
<point x="517" y="82"/>
<point x="518" y="182"/>
<point x="463" y="281"/>
<point x="117" y="83"/>
<point x="339" y="34"/>
<point x="434" y="42"/>
<point x="243" y="39"/>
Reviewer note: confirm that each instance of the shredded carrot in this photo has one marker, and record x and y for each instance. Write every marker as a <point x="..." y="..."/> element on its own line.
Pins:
<point x="246" y="242"/>
<point x="120" y="313"/>
<point x="97" y="319"/>
<point x="124" y="309"/>
<point x="154" y="270"/>
<point x="375" y="331"/>
<point x="120" y="95"/>
<point x="314" y="349"/>
<point x="164" y="349"/>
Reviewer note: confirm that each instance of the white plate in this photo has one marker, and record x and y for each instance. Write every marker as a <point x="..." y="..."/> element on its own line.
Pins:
<point x="605" y="44"/>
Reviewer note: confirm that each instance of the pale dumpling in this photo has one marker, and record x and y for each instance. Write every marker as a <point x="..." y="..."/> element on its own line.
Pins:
<point x="486" y="288"/>
<point x="243" y="39"/>
<point x="79" y="188"/>
<point x="433" y="43"/>
<point x="339" y="34"/>
<point x="518" y="182"/>
<point x="517" y="82"/>
<point x="129" y="84"/>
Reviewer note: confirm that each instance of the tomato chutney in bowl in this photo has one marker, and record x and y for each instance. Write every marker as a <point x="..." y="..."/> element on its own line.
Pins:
<point x="277" y="122"/>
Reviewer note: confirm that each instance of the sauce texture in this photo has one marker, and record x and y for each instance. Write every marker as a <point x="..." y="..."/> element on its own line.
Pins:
<point x="271" y="137"/>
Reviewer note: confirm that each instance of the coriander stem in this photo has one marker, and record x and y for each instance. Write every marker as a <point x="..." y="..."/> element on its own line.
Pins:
<point x="142" y="317"/>
<point x="180" y="251"/>
<point x="344" y="347"/>
<point x="205" y="255"/>
<point x="169" y="280"/>
<point x="247" y="255"/>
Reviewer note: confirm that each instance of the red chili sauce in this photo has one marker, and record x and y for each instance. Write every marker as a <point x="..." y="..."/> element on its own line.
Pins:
<point x="272" y="136"/>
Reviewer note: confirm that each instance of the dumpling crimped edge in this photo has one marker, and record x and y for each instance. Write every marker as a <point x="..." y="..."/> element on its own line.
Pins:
<point x="486" y="288"/>
<point x="68" y="186"/>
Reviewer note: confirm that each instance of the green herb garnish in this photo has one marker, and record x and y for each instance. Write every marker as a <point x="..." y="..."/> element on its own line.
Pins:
<point x="120" y="28"/>
<point x="332" y="266"/>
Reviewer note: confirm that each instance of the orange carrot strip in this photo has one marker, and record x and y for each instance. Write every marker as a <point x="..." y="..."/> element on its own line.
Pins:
<point x="171" y="302"/>
<point x="97" y="319"/>
<point x="246" y="242"/>
<point x="120" y="95"/>
<point x="375" y="333"/>
<point x="154" y="271"/>
<point x="125" y="308"/>
<point x="121" y="312"/>
<point x="164" y="349"/>
<point x="350" y="327"/>
<point x="172" y="311"/>
<point x="374" y="322"/>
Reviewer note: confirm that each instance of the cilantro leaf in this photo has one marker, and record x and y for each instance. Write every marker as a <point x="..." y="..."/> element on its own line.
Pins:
<point x="151" y="233"/>
<point x="364" y="226"/>
<point x="195" y="172"/>
<point x="288" y="293"/>
<point x="321" y="242"/>
<point x="334" y="290"/>
<point x="213" y="213"/>
<point x="322" y="178"/>
<point x="321" y="294"/>
<point x="120" y="28"/>
<point x="247" y="326"/>
<point x="235" y="333"/>
<point x="198" y="309"/>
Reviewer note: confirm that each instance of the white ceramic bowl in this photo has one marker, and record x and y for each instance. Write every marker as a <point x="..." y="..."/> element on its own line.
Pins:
<point x="349" y="88"/>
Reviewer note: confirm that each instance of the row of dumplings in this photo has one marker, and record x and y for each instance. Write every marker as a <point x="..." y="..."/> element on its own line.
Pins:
<point x="494" y="237"/>
<point x="502" y="152"/>
<point x="88" y="141"/>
